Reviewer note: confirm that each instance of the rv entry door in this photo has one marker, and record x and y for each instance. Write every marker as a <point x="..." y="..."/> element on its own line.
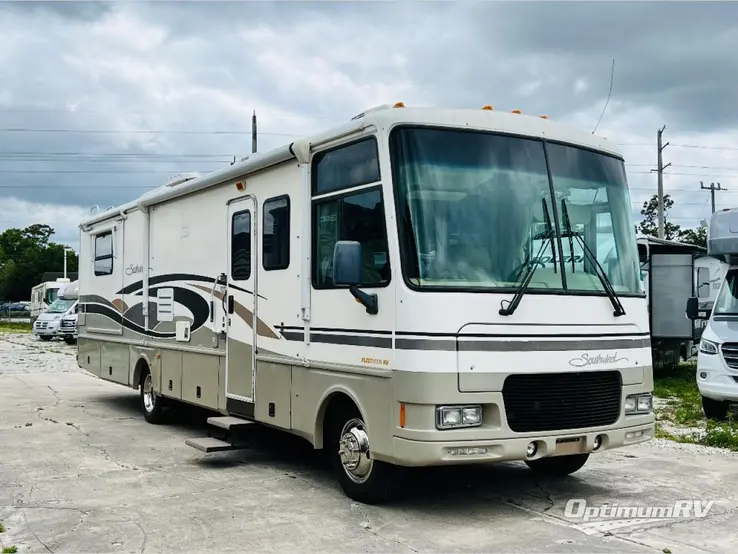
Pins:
<point x="240" y="306"/>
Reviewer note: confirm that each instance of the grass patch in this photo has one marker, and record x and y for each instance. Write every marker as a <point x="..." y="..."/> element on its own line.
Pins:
<point x="15" y="327"/>
<point x="10" y="549"/>
<point x="2" y="527"/>
<point x="683" y="408"/>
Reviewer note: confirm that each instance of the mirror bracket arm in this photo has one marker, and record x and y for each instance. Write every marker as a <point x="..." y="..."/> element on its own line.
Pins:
<point x="369" y="301"/>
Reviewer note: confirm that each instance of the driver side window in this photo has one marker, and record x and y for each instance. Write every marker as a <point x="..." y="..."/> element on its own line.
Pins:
<point x="357" y="215"/>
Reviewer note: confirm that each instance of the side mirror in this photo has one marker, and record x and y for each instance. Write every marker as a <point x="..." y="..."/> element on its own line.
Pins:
<point x="347" y="269"/>
<point x="347" y="263"/>
<point x="693" y="310"/>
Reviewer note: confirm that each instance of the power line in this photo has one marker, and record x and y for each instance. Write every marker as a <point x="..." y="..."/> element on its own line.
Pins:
<point x="712" y="190"/>
<point x="138" y="131"/>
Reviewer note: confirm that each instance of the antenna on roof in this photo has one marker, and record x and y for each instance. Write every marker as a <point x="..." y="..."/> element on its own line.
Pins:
<point x="253" y="133"/>
<point x="609" y="94"/>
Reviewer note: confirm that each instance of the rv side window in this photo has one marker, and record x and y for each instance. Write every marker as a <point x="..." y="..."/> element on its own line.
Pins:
<point x="241" y="246"/>
<point x="347" y="166"/>
<point x="355" y="216"/>
<point x="104" y="253"/>
<point x="276" y="233"/>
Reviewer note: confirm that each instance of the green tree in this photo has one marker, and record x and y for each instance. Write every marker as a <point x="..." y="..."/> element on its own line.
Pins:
<point x="696" y="236"/>
<point x="25" y="255"/>
<point x="650" y="212"/>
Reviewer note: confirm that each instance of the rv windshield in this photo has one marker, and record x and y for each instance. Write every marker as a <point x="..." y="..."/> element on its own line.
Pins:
<point x="727" y="299"/>
<point x="59" y="306"/>
<point x="474" y="207"/>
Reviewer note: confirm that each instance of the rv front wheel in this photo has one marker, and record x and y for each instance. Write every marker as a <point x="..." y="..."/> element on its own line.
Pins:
<point x="714" y="409"/>
<point x="361" y="477"/>
<point x="558" y="466"/>
<point x="150" y="402"/>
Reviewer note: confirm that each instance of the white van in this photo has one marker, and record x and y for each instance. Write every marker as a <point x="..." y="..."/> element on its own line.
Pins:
<point x="717" y="359"/>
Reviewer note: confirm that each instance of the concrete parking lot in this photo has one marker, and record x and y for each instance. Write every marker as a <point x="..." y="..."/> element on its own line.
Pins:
<point x="81" y="471"/>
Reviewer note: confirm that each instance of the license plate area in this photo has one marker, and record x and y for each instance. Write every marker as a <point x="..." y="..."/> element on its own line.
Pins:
<point x="568" y="446"/>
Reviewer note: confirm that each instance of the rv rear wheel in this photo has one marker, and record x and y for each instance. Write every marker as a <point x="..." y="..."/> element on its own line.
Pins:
<point x="558" y="466"/>
<point x="714" y="409"/>
<point x="361" y="477"/>
<point x="150" y="402"/>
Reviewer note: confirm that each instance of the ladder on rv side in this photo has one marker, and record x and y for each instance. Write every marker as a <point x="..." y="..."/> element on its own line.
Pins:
<point x="231" y="430"/>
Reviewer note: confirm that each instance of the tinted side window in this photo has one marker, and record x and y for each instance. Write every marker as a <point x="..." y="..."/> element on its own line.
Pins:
<point x="358" y="216"/>
<point x="241" y="246"/>
<point x="347" y="166"/>
<point x="104" y="254"/>
<point x="276" y="233"/>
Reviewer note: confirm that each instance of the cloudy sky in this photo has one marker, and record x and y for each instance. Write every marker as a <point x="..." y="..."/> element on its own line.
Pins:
<point x="101" y="101"/>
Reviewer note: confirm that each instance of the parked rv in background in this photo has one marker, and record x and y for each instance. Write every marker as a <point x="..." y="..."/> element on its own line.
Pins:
<point x="717" y="359"/>
<point x="673" y="272"/>
<point x="48" y="324"/>
<point x="43" y="295"/>
<point x="68" y="325"/>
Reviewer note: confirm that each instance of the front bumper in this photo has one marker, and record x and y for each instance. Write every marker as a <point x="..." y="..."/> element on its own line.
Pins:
<point x="423" y="453"/>
<point x="42" y="330"/>
<point x="715" y="379"/>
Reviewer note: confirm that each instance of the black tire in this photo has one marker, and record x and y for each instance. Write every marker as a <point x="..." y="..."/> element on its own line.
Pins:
<point x="558" y="466"/>
<point x="714" y="409"/>
<point x="70" y="341"/>
<point x="151" y="404"/>
<point x="381" y="479"/>
<point x="46" y="338"/>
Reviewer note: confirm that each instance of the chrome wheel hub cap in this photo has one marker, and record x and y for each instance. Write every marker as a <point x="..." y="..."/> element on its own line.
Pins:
<point x="353" y="448"/>
<point x="148" y="393"/>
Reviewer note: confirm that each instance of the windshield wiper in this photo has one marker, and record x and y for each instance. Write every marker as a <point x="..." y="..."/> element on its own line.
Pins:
<point x="599" y="271"/>
<point x="548" y="237"/>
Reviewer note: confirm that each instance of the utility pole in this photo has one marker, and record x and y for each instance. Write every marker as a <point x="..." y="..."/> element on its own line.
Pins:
<point x="660" y="171"/>
<point x="253" y="133"/>
<point x="712" y="188"/>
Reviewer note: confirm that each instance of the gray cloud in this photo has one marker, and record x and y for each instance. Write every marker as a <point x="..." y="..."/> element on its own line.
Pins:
<point x="190" y="66"/>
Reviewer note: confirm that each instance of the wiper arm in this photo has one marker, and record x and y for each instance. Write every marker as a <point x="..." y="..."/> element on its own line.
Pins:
<point x="599" y="271"/>
<point x="548" y="237"/>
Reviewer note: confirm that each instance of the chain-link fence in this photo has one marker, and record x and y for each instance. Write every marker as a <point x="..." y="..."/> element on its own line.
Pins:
<point x="15" y="311"/>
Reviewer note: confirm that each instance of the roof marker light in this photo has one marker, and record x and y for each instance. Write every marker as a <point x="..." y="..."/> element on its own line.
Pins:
<point x="544" y="117"/>
<point x="488" y="107"/>
<point x="399" y="105"/>
<point x="516" y="111"/>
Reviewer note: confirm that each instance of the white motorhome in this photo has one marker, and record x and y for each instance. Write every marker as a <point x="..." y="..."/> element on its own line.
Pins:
<point x="68" y="323"/>
<point x="51" y="323"/>
<point x="717" y="359"/>
<point x="43" y="295"/>
<point x="377" y="289"/>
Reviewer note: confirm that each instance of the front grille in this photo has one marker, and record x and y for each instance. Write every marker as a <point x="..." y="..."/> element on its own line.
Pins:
<point x="41" y="325"/>
<point x="730" y="354"/>
<point x="556" y="401"/>
<point x="68" y="324"/>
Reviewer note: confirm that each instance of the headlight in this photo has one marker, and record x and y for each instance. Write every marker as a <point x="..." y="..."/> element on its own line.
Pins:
<point x="639" y="403"/>
<point x="452" y="417"/>
<point x="708" y="347"/>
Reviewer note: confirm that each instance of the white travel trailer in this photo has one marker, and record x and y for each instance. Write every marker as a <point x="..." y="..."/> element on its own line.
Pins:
<point x="377" y="289"/>
<point x="717" y="359"/>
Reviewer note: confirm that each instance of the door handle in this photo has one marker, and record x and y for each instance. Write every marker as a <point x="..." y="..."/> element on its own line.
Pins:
<point x="231" y="303"/>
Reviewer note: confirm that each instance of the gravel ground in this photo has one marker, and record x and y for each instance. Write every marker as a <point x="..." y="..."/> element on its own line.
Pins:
<point x="80" y="471"/>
